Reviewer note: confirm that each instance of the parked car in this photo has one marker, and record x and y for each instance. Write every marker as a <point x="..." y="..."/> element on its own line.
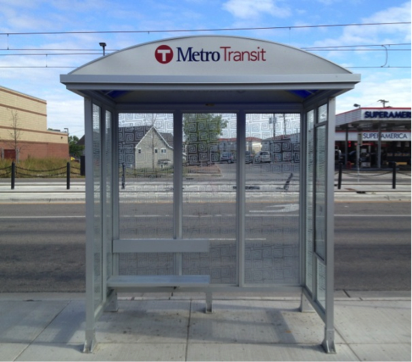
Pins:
<point x="262" y="156"/>
<point x="226" y="157"/>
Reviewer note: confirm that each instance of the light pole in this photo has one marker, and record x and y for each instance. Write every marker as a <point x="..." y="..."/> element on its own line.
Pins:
<point x="103" y="45"/>
<point x="383" y="102"/>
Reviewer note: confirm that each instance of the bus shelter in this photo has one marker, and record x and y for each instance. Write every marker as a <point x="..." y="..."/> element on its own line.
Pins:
<point x="210" y="167"/>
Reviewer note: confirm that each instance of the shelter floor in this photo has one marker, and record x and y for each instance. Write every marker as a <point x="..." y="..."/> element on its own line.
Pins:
<point x="369" y="326"/>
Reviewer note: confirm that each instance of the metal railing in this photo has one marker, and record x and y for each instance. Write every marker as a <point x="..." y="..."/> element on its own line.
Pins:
<point x="394" y="171"/>
<point x="13" y="171"/>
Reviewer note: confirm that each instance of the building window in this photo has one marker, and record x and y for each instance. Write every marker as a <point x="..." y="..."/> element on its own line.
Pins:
<point x="163" y="150"/>
<point x="139" y="150"/>
<point x="155" y="150"/>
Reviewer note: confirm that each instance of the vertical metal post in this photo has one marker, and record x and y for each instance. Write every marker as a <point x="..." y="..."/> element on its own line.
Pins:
<point x="379" y="145"/>
<point x="68" y="176"/>
<point x="90" y="282"/>
<point x="340" y="176"/>
<point x="178" y="185"/>
<point x="240" y="196"/>
<point x="123" y="176"/>
<point x="115" y="187"/>
<point x="329" y="339"/>
<point x="394" y="175"/>
<point x="346" y="144"/>
<point x="13" y="175"/>
<point x="303" y="196"/>
<point x="358" y="144"/>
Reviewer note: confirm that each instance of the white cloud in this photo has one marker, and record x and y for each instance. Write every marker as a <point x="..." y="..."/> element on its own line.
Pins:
<point x="65" y="110"/>
<point x="246" y="9"/>
<point x="377" y="86"/>
<point x="381" y="34"/>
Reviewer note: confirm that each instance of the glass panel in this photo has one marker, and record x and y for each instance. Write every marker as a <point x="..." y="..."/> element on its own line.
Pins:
<point x="321" y="284"/>
<point x="310" y="119"/>
<point x="320" y="192"/>
<point x="146" y="201"/>
<point x="322" y="113"/>
<point x="272" y="198"/>
<point x="209" y="196"/>
<point x="97" y="207"/>
<point x="108" y="160"/>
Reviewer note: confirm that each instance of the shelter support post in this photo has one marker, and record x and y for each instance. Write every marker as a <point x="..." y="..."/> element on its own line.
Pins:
<point x="178" y="186"/>
<point x="240" y="196"/>
<point x="329" y="340"/>
<point x="90" y="275"/>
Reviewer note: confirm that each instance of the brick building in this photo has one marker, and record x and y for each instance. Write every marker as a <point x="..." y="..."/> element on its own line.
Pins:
<point x="23" y="128"/>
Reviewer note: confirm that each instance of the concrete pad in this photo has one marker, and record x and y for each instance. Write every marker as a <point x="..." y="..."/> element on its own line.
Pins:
<point x="105" y="352"/>
<point x="360" y="322"/>
<point x="383" y="352"/>
<point x="381" y="295"/>
<point x="67" y="327"/>
<point x="10" y="351"/>
<point x="41" y="296"/>
<point x="284" y="295"/>
<point x="22" y="322"/>
<point x="149" y="321"/>
<point x="265" y="352"/>
<point x="255" y="322"/>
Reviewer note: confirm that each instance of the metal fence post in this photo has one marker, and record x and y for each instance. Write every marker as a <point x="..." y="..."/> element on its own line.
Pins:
<point x="68" y="175"/>
<point x="394" y="175"/>
<point x="123" y="176"/>
<point x="13" y="175"/>
<point x="340" y="175"/>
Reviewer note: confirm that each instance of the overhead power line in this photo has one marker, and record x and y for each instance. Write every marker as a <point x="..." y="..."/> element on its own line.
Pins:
<point x="199" y="30"/>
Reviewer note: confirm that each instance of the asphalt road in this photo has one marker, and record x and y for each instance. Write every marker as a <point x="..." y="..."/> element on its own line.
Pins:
<point x="43" y="245"/>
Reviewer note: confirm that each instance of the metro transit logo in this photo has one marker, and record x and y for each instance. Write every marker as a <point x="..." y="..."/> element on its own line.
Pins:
<point x="164" y="54"/>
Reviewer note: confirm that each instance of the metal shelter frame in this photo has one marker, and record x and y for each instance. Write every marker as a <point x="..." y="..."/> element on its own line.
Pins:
<point x="130" y="81"/>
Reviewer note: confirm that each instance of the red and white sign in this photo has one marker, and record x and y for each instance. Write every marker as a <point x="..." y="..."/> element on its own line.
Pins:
<point x="164" y="54"/>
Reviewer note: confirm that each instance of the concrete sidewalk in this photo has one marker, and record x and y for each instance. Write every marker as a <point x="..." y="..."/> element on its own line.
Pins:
<point x="32" y="191"/>
<point x="369" y="326"/>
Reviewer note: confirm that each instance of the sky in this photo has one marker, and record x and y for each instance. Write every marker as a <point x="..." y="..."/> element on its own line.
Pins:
<point x="42" y="39"/>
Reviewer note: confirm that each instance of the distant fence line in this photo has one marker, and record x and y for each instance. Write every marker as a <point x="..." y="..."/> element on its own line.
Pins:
<point x="357" y="174"/>
<point x="13" y="171"/>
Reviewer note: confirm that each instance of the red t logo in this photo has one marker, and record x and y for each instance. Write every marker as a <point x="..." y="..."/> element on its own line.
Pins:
<point x="164" y="54"/>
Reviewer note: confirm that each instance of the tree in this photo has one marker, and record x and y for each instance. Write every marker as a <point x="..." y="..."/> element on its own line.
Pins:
<point x="15" y="133"/>
<point x="201" y="134"/>
<point x="75" y="149"/>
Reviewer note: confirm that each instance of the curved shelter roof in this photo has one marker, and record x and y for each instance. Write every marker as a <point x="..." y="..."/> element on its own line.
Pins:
<point x="196" y="68"/>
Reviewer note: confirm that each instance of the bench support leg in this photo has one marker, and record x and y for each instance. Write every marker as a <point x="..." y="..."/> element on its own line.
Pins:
<point x="111" y="304"/>
<point x="209" y="302"/>
<point x="304" y="304"/>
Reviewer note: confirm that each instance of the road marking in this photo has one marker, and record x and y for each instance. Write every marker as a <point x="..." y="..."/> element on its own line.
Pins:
<point x="283" y="208"/>
<point x="196" y="216"/>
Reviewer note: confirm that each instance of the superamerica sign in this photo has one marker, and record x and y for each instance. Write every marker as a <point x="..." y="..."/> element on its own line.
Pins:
<point x="165" y="54"/>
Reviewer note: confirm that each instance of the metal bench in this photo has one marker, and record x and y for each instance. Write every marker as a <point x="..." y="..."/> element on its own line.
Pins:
<point x="127" y="283"/>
